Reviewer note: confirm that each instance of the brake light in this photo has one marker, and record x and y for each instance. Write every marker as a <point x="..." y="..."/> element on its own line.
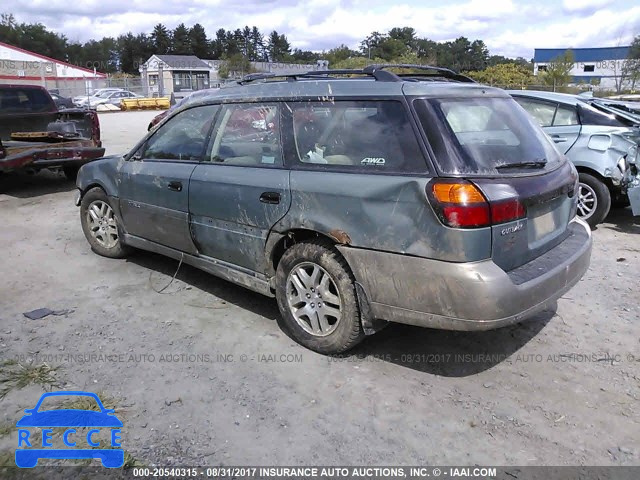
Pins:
<point x="507" y="211"/>
<point x="460" y="204"/>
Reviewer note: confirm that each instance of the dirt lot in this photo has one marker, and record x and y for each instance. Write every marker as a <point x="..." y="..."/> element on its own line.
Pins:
<point x="201" y="374"/>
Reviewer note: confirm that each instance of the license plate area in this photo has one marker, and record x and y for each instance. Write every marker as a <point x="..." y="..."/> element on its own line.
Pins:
<point x="548" y="221"/>
<point x="543" y="225"/>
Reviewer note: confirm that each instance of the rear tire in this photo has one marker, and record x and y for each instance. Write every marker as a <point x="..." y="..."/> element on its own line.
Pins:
<point x="101" y="226"/>
<point x="594" y="200"/>
<point x="317" y="298"/>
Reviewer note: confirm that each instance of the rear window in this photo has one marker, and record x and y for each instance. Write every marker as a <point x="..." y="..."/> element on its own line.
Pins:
<point x="18" y="100"/>
<point x="482" y="135"/>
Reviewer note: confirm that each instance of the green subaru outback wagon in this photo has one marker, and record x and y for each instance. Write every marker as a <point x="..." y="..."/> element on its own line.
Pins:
<point x="355" y="198"/>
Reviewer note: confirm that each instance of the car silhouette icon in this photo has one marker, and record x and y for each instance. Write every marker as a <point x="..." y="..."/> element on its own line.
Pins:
<point x="70" y="418"/>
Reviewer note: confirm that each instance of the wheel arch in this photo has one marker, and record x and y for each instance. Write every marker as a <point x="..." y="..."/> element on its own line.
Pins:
<point x="278" y="243"/>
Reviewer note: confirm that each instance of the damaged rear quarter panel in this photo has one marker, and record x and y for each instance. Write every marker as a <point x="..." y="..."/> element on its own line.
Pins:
<point x="380" y="212"/>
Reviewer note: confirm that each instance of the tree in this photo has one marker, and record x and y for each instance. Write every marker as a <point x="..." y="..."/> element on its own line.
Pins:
<point x="161" y="38"/>
<point x="406" y="35"/>
<point x="219" y="44"/>
<point x="133" y="50"/>
<point x="278" y="47"/>
<point x="181" y="44"/>
<point x="199" y="42"/>
<point x="235" y="66"/>
<point x="503" y="75"/>
<point x="33" y="36"/>
<point x="257" y="44"/>
<point x="338" y="54"/>
<point x="558" y="71"/>
<point x="631" y="68"/>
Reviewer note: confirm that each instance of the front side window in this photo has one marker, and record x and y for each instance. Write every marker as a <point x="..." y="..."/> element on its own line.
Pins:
<point x="364" y="135"/>
<point x="247" y="134"/>
<point x="183" y="137"/>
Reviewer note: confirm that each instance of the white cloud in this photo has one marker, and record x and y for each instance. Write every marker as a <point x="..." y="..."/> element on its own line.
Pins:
<point x="509" y="27"/>
<point x="585" y="5"/>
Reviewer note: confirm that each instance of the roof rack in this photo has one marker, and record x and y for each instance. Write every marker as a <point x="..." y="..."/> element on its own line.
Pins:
<point x="378" y="72"/>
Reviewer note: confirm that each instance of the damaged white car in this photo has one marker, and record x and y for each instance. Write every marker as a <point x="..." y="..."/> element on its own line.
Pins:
<point x="600" y="142"/>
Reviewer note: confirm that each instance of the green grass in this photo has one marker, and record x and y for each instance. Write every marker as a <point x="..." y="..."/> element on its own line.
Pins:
<point x="130" y="461"/>
<point x="5" y="429"/>
<point x="88" y="403"/>
<point x="15" y="375"/>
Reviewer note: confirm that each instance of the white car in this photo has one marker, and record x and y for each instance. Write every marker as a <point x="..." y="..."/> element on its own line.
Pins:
<point x="113" y="98"/>
<point x="82" y="100"/>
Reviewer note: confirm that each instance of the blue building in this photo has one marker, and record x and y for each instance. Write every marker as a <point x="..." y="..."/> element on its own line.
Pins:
<point x="602" y="66"/>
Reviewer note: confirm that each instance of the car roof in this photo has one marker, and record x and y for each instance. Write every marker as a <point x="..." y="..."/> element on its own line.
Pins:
<point x="565" y="98"/>
<point x="324" y="89"/>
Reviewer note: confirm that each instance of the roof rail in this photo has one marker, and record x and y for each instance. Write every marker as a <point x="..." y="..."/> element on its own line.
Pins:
<point x="376" y="71"/>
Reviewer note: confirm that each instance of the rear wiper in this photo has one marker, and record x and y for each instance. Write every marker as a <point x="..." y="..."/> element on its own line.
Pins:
<point x="531" y="164"/>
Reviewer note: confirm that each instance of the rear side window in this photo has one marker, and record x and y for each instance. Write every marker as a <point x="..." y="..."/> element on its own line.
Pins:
<point x="356" y="135"/>
<point x="247" y="135"/>
<point x="481" y="135"/>
<point x="16" y="100"/>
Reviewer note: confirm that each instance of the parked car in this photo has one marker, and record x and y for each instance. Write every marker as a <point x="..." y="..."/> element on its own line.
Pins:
<point x="197" y="95"/>
<point x="83" y="100"/>
<point x="602" y="146"/>
<point x="35" y="135"/>
<point x="61" y="102"/>
<point x="111" y="98"/>
<point x="423" y="199"/>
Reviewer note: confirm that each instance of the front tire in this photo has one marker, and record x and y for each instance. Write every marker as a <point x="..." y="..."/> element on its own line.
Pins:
<point x="317" y="298"/>
<point x="100" y="225"/>
<point x="594" y="200"/>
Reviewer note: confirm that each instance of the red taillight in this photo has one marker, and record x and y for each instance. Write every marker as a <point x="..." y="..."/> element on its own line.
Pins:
<point x="460" y="204"/>
<point x="507" y="211"/>
<point x="466" y="216"/>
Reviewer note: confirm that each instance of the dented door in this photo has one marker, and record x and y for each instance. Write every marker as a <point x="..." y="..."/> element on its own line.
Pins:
<point x="242" y="188"/>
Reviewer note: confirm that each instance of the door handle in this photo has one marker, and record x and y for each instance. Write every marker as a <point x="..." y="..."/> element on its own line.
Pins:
<point x="558" y="138"/>
<point x="175" y="186"/>
<point x="270" y="197"/>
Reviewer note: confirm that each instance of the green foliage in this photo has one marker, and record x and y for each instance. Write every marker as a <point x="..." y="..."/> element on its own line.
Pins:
<point x="558" y="72"/>
<point x="181" y="44"/>
<point x="15" y="375"/>
<point x="278" y="47"/>
<point x="161" y="39"/>
<point x="504" y="74"/>
<point x="235" y="66"/>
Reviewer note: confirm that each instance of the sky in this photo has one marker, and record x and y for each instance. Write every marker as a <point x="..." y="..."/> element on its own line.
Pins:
<point x="509" y="27"/>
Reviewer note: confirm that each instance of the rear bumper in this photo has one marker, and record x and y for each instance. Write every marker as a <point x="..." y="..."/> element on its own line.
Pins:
<point x="468" y="296"/>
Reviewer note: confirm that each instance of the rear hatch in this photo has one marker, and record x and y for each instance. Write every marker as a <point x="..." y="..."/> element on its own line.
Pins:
<point x="498" y="171"/>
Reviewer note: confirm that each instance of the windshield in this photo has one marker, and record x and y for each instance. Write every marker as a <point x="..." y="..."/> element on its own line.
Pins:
<point x="484" y="136"/>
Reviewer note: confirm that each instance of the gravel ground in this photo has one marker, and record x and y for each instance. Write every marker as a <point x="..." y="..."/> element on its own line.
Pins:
<point x="201" y="374"/>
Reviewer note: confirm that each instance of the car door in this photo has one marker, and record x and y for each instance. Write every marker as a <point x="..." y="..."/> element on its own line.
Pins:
<point x="565" y="128"/>
<point x="154" y="181"/>
<point x="558" y="121"/>
<point x="242" y="188"/>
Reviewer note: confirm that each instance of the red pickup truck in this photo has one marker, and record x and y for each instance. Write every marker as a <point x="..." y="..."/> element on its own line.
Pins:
<point x="34" y="135"/>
